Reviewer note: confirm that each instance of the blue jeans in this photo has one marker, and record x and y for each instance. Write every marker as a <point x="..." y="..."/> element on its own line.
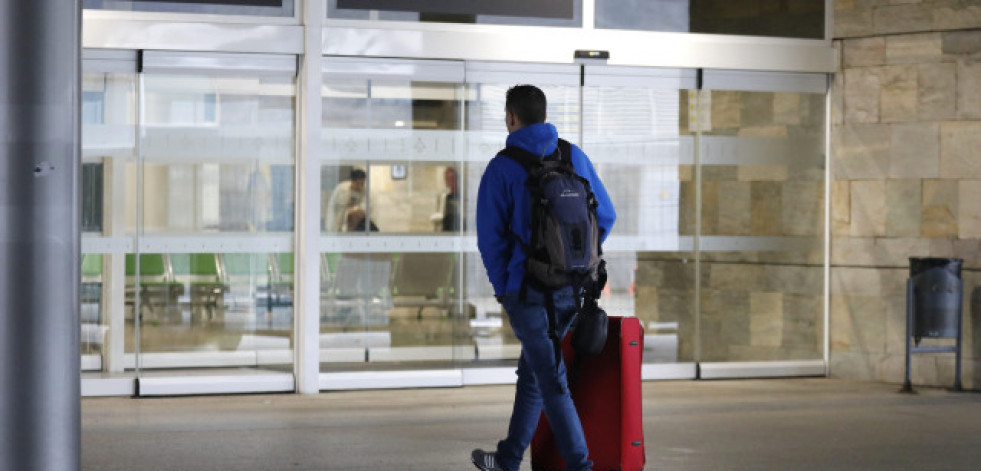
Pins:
<point x="542" y="385"/>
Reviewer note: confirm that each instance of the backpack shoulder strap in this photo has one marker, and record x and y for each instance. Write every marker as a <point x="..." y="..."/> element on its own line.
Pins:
<point x="526" y="159"/>
<point x="564" y="150"/>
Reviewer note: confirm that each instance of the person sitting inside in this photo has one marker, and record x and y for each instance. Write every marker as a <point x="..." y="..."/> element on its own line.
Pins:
<point x="356" y="221"/>
<point x="347" y="195"/>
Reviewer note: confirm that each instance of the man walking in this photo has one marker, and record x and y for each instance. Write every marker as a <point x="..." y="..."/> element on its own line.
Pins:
<point x="503" y="227"/>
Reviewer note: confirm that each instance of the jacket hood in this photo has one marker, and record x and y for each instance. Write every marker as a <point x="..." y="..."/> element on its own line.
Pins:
<point x="539" y="139"/>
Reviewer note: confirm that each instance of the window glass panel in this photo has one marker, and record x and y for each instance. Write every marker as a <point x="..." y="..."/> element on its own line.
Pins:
<point x="219" y="7"/>
<point x="635" y="137"/>
<point x="780" y="18"/>
<point x="392" y="177"/>
<point x="108" y="148"/>
<point x="216" y="184"/>
<point x="762" y="226"/>
<point x="456" y="16"/>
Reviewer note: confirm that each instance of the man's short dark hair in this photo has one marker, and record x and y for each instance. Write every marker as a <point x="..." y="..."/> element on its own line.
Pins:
<point x="527" y="103"/>
<point x="358" y="174"/>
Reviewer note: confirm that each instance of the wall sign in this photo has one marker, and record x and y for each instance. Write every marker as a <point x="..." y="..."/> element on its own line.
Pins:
<point x="526" y="8"/>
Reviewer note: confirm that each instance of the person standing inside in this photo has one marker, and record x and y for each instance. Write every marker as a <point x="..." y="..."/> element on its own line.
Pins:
<point x="503" y="227"/>
<point x="347" y="195"/>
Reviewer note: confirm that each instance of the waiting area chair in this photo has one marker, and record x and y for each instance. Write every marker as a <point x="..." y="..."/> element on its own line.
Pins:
<point x="204" y="274"/>
<point x="424" y="280"/>
<point x="158" y="290"/>
<point x="359" y="294"/>
<point x="91" y="289"/>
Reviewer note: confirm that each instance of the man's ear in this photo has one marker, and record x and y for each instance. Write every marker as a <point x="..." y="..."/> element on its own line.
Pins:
<point x="509" y="118"/>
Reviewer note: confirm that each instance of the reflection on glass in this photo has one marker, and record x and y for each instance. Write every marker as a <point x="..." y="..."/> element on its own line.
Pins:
<point x="223" y="303"/>
<point x="218" y="159"/>
<point x="108" y="142"/>
<point x="546" y="19"/>
<point x="763" y="302"/>
<point x="393" y="156"/>
<point x="212" y="197"/>
<point x="634" y="138"/>
<point x="789" y="19"/>
<point x="219" y="7"/>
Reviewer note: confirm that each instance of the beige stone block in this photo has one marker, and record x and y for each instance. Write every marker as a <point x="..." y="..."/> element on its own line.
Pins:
<point x="970" y="251"/>
<point x="968" y="89"/>
<point x="915" y="150"/>
<point x="851" y="366"/>
<point x="843" y="5"/>
<point x="863" y="52"/>
<point x="939" y="213"/>
<point x="735" y="208"/>
<point x="803" y="323"/>
<point x="937" y="91"/>
<point x="941" y="247"/>
<point x="838" y="93"/>
<point x="756" y="109"/>
<point x="725" y="109"/>
<point x="840" y="208"/>
<point x="855" y="281"/>
<point x="960" y="142"/>
<point x="962" y="43"/>
<point x="733" y="277"/>
<point x="767" y="208"/>
<point x="803" y="208"/>
<point x="766" y="319"/>
<point x="852" y="251"/>
<point x="686" y="173"/>
<point x="903" y="203"/>
<point x="895" y="251"/>
<point x="764" y="131"/>
<point x="710" y="208"/>
<point x="756" y="173"/>
<point x="969" y="209"/>
<point x="893" y="19"/>
<point x="894" y="282"/>
<point x="868" y="208"/>
<point x="862" y="89"/>
<point x="914" y="48"/>
<point x="840" y="334"/>
<point x="957" y="15"/>
<point x="858" y="324"/>
<point x="794" y="279"/>
<point x="862" y="151"/>
<point x="899" y="96"/>
<point x="896" y="323"/>
<point x="855" y="22"/>
<point x="786" y="109"/>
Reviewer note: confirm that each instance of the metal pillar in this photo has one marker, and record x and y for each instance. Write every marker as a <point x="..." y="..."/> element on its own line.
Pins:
<point x="40" y="420"/>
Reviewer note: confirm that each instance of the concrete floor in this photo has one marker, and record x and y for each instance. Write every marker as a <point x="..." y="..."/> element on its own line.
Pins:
<point x="793" y="424"/>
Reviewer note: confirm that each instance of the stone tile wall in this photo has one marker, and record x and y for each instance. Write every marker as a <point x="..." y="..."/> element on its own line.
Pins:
<point x="755" y="305"/>
<point x="906" y="164"/>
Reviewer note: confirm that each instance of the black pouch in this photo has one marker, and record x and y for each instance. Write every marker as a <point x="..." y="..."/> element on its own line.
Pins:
<point x="589" y="334"/>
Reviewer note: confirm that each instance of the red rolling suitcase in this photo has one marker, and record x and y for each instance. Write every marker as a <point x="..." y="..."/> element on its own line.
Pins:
<point x="607" y="394"/>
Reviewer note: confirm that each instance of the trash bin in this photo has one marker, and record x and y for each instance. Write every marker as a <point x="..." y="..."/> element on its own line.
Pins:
<point x="934" y="294"/>
<point x="937" y="290"/>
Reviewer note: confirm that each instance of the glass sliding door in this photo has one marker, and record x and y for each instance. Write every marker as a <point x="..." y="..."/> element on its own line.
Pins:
<point x="636" y="135"/>
<point x="393" y="220"/>
<point x="487" y="84"/>
<point x="762" y="222"/>
<point x="214" y="190"/>
<point x="109" y="150"/>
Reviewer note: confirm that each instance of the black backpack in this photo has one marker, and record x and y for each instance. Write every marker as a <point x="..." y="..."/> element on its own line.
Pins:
<point x="564" y="249"/>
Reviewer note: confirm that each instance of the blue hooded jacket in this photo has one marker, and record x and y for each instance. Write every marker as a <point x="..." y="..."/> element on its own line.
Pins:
<point x="503" y="207"/>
